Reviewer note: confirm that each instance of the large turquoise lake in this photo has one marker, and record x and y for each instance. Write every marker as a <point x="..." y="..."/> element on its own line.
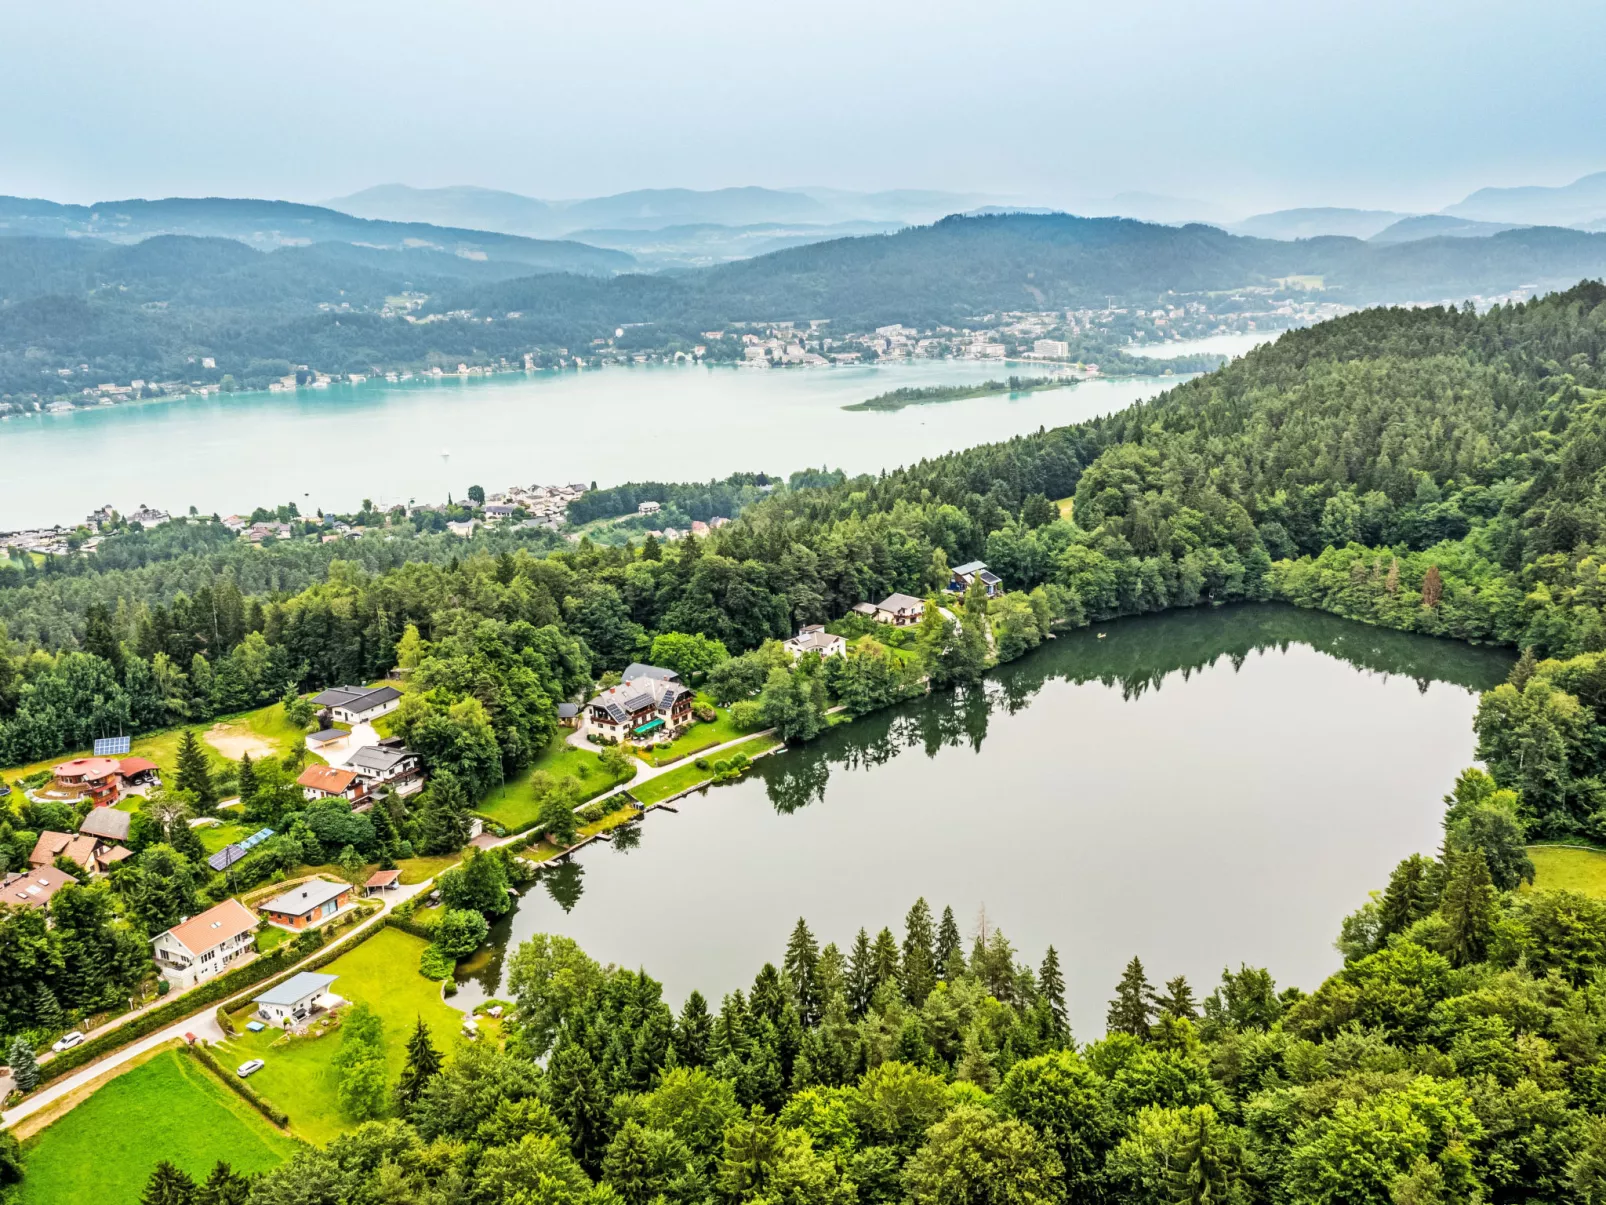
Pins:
<point x="331" y="448"/>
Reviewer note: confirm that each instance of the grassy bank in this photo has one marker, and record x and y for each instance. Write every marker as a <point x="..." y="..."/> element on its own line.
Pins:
<point x="513" y="805"/>
<point x="683" y="779"/>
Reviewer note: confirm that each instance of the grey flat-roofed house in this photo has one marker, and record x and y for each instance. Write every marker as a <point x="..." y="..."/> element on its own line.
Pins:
<point x="296" y="999"/>
<point x="971" y="571"/>
<point x="356" y="704"/>
<point x="379" y="765"/>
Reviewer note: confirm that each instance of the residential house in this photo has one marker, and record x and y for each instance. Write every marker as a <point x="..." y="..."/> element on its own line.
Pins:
<point x="971" y="571"/>
<point x="900" y="610"/>
<point x="813" y="638"/>
<point x="867" y="609"/>
<point x="463" y="528"/>
<point x="649" y="508"/>
<point x="202" y="946"/>
<point x="388" y="763"/>
<point x="569" y="715"/>
<point x="93" y="778"/>
<point x="34" y="888"/>
<point x="329" y="782"/>
<point x="296" y="999"/>
<point x="311" y="902"/>
<point x="499" y="510"/>
<point x="85" y="849"/>
<point x="107" y="823"/>
<point x="649" y="704"/>
<point x="357" y="704"/>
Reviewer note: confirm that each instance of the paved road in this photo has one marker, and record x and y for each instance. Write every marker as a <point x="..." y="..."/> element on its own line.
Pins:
<point x="203" y="1025"/>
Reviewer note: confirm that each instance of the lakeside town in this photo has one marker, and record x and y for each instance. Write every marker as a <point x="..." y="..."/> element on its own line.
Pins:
<point x="1068" y="337"/>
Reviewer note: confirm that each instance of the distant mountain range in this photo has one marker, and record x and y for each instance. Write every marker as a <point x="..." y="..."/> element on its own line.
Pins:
<point x="270" y="225"/>
<point x="1580" y="205"/>
<point x="651" y="208"/>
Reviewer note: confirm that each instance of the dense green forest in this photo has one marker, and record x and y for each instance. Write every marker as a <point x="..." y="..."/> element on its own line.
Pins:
<point x="155" y="310"/>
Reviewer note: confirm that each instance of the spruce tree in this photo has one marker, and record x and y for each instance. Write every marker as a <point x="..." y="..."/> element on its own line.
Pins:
<point x="884" y="959"/>
<point x="830" y="977"/>
<point x="168" y="1186"/>
<point x="919" y="962"/>
<point x="1132" y="1010"/>
<point x="949" y="954"/>
<point x="693" y="1032"/>
<point x="1201" y="1169"/>
<point x="187" y="841"/>
<point x="1051" y="984"/>
<point x="1178" y="1003"/>
<point x="1469" y="907"/>
<point x="224" y="1186"/>
<point x="248" y="780"/>
<point x="861" y="976"/>
<point x="24" y="1067"/>
<point x="194" y="773"/>
<point x="423" y="1061"/>
<point x="1412" y="893"/>
<point x="802" y="968"/>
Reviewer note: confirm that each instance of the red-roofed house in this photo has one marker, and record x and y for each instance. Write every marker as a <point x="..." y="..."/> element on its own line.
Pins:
<point x="201" y="947"/>
<point x="92" y="778"/>
<point x="33" y="889"/>
<point x="327" y="782"/>
<point x="86" y="849"/>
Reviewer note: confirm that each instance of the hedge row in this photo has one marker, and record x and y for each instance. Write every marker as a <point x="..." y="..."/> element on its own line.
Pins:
<point x="408" y="925"/>
<point x="205" y="1057"/>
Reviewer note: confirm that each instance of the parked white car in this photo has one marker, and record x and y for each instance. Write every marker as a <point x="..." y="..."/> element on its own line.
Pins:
<point x="249" y="1067"/>
<point x="67" y="1041"/>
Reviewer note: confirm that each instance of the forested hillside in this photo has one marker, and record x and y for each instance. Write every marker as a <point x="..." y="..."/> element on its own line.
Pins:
<point x="155" y="310"/>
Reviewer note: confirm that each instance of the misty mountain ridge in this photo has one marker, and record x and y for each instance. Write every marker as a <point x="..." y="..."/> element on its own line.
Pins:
<point x="650" y="208"/>
<point x="270" y="225"/>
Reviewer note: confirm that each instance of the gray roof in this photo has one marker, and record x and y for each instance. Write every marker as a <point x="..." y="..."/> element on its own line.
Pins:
<point x="900" y="602"/>
<point x="358" y="698"/>
<point x="376" y="759"/>
<point x="108" y="823"/>
<point x="970" y="566"/>
<point x="325" y="735"/>
<point x="637" y="670"/>
<point x="567" y="711"/>
<point x="303" y="899"/>
<point x="864" y="608"/>
<point x="296" y="988"/>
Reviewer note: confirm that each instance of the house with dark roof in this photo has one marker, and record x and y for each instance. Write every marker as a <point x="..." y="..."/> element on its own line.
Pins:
<point x="388" y="763"/>
<point x="357" y="704"/>
<point x="569" y="715"/>
<point x="637" y="670"/>
<point x="107" y="823"/>
<point x="650" y="706"/>
<point x="973" y="571"/>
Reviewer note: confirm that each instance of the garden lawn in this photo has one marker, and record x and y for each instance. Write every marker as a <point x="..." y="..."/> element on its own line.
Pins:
<point x="688" y="776"/>
<point x="382" y="973"/>
<point x="168" y="1108"/>
<point x="215" y="836"/>
<point x="695" y="739"/>
<point x="512" y="805"/>
<point x="1567" y="868"/>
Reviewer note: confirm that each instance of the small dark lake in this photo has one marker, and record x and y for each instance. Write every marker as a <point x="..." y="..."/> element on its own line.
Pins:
<point x="1200" y="789"/>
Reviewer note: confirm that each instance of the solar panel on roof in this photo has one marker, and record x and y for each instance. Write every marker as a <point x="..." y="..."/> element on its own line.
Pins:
<point x="112" y="746"/>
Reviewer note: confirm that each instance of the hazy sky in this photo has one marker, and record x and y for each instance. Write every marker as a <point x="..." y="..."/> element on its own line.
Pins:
<point x="1250" y="104"/>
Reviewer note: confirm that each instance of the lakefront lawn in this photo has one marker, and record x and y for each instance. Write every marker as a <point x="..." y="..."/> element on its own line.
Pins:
<point x="688" y="776"/>
<point x="513" y="805"/>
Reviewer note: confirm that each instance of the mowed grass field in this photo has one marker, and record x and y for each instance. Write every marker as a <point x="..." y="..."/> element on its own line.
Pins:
<point x="298" y="1077"/>
<point x="1568" y="868"/>
<point x="168" y="1108"/>
<point x="688" y="776"/>
<point x="512" y="804"/>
